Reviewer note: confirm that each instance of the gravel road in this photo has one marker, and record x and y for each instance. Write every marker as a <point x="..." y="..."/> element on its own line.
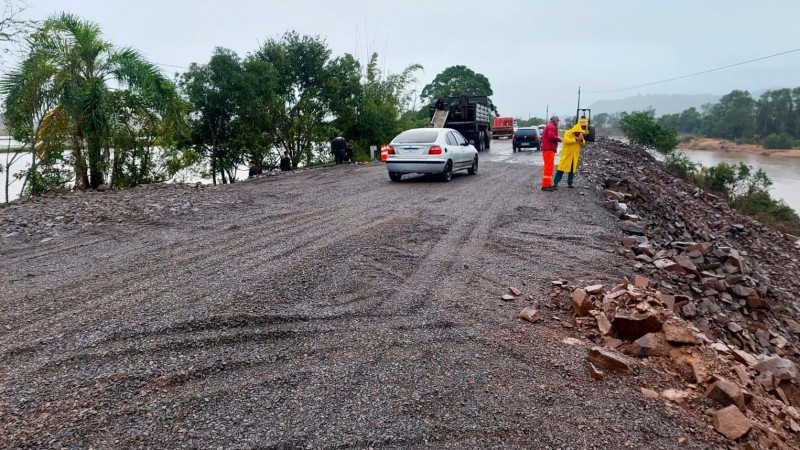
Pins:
<point x="328" y="308"/>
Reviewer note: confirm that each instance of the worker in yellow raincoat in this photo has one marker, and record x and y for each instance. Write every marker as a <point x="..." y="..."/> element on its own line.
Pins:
<point x="570" y="151"/>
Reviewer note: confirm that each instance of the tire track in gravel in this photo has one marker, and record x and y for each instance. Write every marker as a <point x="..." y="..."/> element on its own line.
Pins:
<point x="138" y="281"/>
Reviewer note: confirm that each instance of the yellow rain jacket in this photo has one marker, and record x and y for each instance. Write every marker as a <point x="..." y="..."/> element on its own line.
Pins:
<point x="570" y="150"/>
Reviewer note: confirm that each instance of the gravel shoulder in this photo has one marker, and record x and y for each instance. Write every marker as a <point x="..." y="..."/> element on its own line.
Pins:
<point x="328" y="308"/>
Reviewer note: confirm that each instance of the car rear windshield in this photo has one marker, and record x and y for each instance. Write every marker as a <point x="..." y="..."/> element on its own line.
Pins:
<point x="530" y="132"/>
<point x="417" y="137"/>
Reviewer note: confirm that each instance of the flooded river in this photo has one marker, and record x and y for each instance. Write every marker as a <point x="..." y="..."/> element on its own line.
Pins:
<point x="783" y="171"/>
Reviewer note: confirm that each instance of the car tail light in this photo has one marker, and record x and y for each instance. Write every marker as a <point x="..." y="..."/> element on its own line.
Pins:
<point x="390" y="150"/>
<point x="514" y="137"/>
<point x="435" y="150"/>
<point x="536" y="138"/>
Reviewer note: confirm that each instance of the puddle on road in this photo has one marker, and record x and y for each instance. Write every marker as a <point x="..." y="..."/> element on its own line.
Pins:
<point x="502" y="151"/>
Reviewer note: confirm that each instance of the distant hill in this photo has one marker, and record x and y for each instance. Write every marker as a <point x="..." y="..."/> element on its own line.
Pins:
<point x="664" y="104"/>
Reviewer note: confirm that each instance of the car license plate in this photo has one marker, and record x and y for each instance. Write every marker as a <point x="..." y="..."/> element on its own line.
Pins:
<point x="411" y="149"/>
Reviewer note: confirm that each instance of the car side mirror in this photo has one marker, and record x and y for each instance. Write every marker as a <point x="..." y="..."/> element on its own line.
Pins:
<point x="471" y="142"/>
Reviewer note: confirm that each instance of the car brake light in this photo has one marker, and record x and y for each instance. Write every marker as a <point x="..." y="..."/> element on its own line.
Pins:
<point x="390" y="150"/>
<point x="514" y="137"/>
<point x="435" y="150"/>
<point x="536" y="138"/>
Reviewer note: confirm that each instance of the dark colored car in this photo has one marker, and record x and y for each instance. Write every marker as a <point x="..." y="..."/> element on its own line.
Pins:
<point x="527" y="137"/>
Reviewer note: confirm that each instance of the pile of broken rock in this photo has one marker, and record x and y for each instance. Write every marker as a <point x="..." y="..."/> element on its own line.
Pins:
<point x="737" y="278"/>
<point x="757" y="397"/>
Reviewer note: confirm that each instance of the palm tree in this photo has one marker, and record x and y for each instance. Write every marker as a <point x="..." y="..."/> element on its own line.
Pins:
<point x="86" y="69"/>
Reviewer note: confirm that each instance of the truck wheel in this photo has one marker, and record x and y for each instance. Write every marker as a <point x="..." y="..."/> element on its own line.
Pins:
<point x="488" y="140"/>
<point x="480" y="142"/>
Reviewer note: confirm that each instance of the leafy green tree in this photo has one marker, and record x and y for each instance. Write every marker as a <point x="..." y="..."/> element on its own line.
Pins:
<point x="302" y="101"/>
<point x="213" y="91"/>
<point x="732" y="117"/>
<point x="143" y="137"/>
<point x="74" y="65"/>
<point x="601" y="120"/>
<point x="670" y="120"/>
<point x="382" y="107"/>
<point x="642" y="129"/>
<point x="454" y="81"/>
<point x="690" y="121"/>
<point x="776" y="112"/>
<point x="253" y="130"/>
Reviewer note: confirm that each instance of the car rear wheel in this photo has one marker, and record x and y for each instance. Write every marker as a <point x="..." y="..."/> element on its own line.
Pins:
<point x="394" y="176"/>
<point x="474" y="169"/>
<point x="447" y="173"/>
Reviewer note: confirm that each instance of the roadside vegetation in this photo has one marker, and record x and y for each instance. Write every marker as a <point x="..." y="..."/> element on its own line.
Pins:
<point x="743" y="188"/>
<point x="89" y="113"/>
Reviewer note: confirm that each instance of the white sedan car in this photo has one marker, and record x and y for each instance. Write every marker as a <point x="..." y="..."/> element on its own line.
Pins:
<point x="431" y="150"/>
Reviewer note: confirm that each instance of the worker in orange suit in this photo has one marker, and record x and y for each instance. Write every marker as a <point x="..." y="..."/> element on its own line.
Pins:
<point x="550" y="142"/>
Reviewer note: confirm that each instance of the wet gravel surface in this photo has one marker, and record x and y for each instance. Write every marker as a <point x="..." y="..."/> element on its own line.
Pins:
<point x="329" y="308"/>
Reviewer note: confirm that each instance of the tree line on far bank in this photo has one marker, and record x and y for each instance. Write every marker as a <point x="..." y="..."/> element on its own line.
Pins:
<point x="96" y="114"/>
<point x="772" y="120"/>
<point x="744" y="189"/>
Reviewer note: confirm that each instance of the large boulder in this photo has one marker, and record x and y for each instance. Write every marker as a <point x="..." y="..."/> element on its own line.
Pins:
<point x="632" y="325"/>
<point x="581" y="303"/>
<point x="678" y="332"/>
<point x="606" y="359"/>
<point x="651" y="344"/>
<point x="632" y="227"/>
<point x="726" y="393"/>
<point x="780" y="368"/>
<point x="604" y="325"/>
<point x="691" y="369"/>
<point x="731" y="422"/>
<point x="744" y="291"/>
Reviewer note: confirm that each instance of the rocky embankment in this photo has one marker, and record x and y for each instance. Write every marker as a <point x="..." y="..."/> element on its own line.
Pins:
<point x="715" y="303"/>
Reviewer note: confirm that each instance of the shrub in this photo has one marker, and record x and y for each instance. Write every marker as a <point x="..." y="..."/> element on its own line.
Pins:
<point x="642" y="129"/>
<point x="732" y="180"/>
<point x="779" y="141"/>
<point x="681" y="165"/>
<point x="762" y="207"/>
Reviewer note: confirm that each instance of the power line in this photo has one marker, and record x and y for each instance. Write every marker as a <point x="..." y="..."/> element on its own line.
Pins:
<point x="697" y="73"/>
<point x="170" y="65"/>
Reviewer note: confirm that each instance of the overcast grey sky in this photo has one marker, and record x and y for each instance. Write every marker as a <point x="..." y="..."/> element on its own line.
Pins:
<point x="534" y="53"/>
